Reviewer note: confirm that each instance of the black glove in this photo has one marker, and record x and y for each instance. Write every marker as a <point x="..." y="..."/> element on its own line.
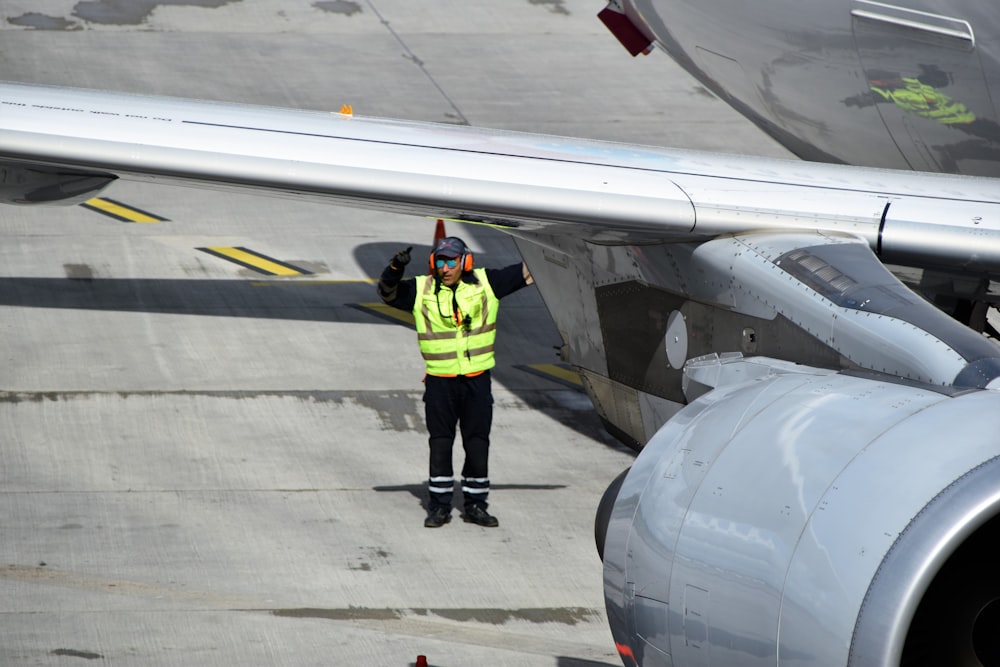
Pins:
<point x="401" y="258"/>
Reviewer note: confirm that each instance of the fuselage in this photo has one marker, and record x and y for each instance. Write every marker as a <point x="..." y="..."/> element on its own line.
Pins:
<point x="904" y="85"/>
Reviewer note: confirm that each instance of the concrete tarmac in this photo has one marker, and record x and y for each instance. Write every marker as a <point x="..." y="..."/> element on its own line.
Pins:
<point x="203" y="464"/>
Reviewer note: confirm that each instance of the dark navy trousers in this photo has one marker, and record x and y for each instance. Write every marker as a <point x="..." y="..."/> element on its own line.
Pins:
<point x="466" y="403"/>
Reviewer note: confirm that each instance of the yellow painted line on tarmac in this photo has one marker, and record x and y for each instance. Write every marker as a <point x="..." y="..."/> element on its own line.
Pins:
<point x="119" y="211"/>
<point x="386" y="312"/>
<point x="308" y="283"/>
<point x="558" y="372"/>
<point x="255" y="261"/>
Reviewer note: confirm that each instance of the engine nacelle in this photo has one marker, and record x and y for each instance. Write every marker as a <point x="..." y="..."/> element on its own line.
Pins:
<point x="811" y="518"/>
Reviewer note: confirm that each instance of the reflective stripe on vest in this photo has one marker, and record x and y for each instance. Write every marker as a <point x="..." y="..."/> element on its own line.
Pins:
<point x="450" y="345"/>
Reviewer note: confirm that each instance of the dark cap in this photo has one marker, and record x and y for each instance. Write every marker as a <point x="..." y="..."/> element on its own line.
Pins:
<point x="451" y="247"/>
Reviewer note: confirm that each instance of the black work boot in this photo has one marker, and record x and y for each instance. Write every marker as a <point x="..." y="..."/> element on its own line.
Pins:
<point x="477" y="515"/>
<point x="437" y="517"/>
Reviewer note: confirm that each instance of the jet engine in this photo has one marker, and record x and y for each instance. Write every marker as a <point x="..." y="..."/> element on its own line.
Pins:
<point x="810" y="517"/>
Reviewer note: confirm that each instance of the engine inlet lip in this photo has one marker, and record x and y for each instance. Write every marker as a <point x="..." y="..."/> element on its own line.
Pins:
<point x="916" y="557"/>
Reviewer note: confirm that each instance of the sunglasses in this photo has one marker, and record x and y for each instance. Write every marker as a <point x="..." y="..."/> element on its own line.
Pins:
<point x="450" y="263"/>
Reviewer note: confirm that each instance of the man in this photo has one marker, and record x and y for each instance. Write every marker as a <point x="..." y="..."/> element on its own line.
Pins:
<point x="455" y="311"/>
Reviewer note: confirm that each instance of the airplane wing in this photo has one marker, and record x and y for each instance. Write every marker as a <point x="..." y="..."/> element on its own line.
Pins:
<point x="819" y="478"/>
<point x="528" y="184"/>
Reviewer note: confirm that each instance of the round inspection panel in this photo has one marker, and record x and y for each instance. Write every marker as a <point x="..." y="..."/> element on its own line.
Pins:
<point x="676" y="340"/>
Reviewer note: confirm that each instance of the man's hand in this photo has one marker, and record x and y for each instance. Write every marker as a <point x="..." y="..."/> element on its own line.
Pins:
<point x="401" y="258"/>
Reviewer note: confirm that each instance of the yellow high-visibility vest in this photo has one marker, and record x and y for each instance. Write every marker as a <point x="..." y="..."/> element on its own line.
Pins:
<point x="459" y="343"/>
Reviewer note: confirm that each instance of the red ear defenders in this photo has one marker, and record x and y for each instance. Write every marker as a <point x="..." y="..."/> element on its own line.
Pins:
<point x="464" y="259"/>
